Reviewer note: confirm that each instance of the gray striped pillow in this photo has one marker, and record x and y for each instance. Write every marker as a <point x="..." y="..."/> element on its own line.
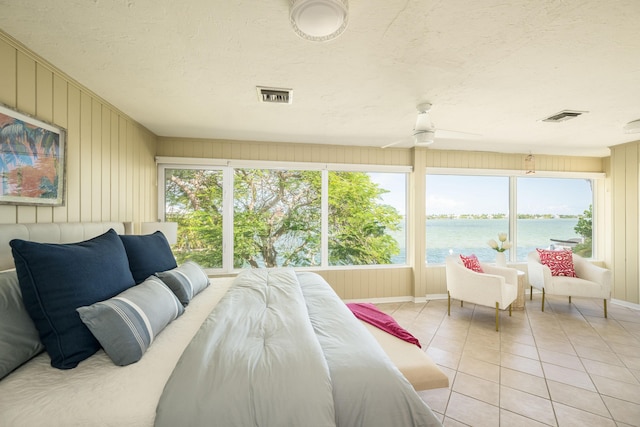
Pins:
<point x="185" y="281"/>
<point x="127" y="324"/>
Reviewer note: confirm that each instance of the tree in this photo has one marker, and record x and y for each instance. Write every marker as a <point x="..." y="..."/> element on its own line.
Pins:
<point x="193" y="199"/>
<point x="584" y="228"/>
<point x="358" y="222"/>
<point x="277" y="218"/>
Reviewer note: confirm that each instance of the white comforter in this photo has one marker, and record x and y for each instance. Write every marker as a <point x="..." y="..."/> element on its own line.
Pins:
<point x="281" y="349"/>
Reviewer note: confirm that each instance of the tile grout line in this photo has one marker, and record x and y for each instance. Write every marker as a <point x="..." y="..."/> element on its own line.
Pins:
<point x="546" y="382"/>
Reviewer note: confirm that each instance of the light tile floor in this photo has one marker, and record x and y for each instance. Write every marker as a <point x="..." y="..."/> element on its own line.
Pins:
<point x="568" y="366"/>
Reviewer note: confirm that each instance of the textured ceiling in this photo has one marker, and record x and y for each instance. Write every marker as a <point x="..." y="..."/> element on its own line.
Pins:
<point x="489" y="67"/>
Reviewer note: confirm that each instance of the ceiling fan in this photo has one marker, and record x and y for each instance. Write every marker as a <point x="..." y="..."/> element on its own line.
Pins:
<point x="424" y="132"/>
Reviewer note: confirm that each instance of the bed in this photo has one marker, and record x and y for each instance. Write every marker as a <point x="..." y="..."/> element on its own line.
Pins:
<point x="269" y="348"/>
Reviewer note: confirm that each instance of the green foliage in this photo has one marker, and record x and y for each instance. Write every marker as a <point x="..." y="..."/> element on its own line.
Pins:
<point x="194" y="201"/>
<point x="584" y="228"/>
<point x="358" y="222"/>
<point x="277" y="218"/>
<point x="584" y="249"/>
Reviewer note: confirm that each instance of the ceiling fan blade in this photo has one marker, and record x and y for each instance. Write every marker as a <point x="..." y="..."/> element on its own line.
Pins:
<point x="451" y="134"/>
<point x="402" y="141"/>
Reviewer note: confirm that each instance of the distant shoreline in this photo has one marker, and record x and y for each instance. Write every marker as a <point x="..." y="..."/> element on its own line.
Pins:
<point x="502" y="216"/>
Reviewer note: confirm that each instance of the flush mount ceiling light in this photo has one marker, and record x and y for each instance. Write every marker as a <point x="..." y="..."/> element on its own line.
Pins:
<point x="319" y="20"/>
<point x="632" y="127"/>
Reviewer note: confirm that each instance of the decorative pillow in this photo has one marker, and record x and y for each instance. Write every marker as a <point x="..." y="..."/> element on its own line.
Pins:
<point x="126" y="324"/>
<point x="55" y="279"/>
<point x="559" y="262"/>
<point x="19" y="339"/>
<point x="148" y="254"/>
<point x="186" y="281"/>
<point x="472" y="263"/>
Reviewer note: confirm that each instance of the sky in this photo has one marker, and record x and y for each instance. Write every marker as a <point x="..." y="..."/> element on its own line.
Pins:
<point x="396" y="184"/>
<point x="454" y="194"/>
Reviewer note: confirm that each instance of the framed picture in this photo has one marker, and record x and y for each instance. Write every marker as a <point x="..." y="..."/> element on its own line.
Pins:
<point x="32" y="160"/>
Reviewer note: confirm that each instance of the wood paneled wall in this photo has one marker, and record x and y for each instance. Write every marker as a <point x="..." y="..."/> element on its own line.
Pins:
<point x="110" y="165"/>
<point x="488" y="160"/>
<point x="371" y="284"/>
<point x="282" y="152"/>
<point x="625" y="176"/>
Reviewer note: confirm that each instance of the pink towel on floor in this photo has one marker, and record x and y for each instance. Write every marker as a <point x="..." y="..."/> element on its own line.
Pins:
<point x="371" y="314"/>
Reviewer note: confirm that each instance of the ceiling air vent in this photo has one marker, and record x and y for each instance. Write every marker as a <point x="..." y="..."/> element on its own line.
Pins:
<point x="564" y="115"/>
<point x="274" y="95"/>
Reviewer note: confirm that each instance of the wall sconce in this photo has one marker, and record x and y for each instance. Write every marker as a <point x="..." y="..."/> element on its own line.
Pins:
<point x="529" y="164"/>
<point x="169" y="229"/>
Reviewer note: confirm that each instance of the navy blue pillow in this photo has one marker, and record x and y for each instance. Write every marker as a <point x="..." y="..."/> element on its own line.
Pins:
<point x="55" y="279"/>
<point x="148" y="254"/>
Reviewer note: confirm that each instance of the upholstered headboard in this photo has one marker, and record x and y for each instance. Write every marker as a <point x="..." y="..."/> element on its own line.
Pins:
<point x="67" y="232"/>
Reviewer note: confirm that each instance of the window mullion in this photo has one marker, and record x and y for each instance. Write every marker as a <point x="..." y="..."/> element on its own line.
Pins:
<point x="324" y="221"/>
<point x="161" y="187"/>
<point x="227" y="219"/>
<point x="513" y="217"/>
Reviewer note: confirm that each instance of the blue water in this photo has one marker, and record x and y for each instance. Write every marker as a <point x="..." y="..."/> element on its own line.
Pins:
<point x="470" y="236"/>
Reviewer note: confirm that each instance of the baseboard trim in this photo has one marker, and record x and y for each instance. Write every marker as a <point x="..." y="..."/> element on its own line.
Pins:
<point x="625" y="304"/>
<point x="433" y="297"/>
<point x="385" y="300"/>
<point x="382" y="300"/>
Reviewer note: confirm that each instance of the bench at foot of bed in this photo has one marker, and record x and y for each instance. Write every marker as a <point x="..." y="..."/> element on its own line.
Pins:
<point x="411" y="360"/>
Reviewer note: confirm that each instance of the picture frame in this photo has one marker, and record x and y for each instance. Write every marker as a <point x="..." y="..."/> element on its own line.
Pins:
<point x="32" y="160"/>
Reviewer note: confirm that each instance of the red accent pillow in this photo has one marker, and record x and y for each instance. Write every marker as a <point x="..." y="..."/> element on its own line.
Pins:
<point x="472" y="263"/>
<point x="559" y="262"/>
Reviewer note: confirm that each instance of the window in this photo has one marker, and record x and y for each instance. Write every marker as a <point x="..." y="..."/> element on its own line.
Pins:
<point x="555" y="213"/>
<point x="276" y="218"/>
<point x="367" y="218"/>
<point x="193" y="199"/>
<point x="465" y="211"/>
<point x="242" y="216"/>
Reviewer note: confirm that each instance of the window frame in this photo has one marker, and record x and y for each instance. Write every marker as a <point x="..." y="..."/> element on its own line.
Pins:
<point x="227" y="196"/>
<point x="228" y="167"/>
<point x="513" y="175"/>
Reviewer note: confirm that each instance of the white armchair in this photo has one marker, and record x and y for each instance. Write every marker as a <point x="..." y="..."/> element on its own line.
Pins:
<point x="592" y="281"/>
<point x="496" y="287"/>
